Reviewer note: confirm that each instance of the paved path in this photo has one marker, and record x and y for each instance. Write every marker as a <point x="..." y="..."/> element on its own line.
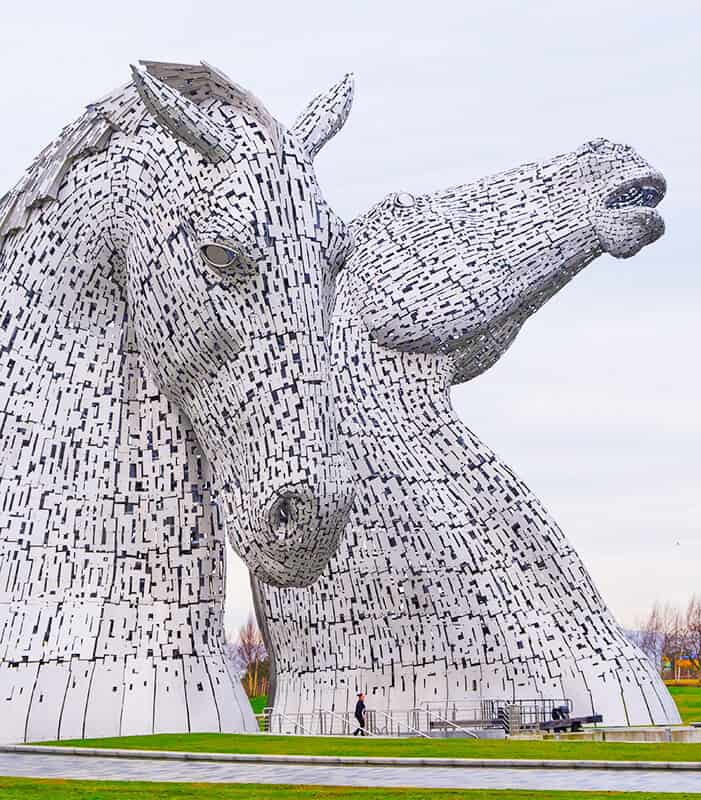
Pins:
<point x="100" y="768"/>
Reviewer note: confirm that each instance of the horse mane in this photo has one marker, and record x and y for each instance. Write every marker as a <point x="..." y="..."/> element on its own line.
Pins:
<point x="120" y="111"/>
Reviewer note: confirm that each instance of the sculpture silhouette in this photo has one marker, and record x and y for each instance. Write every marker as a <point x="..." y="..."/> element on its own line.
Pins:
<point x="167" y="268"/>
<point x="453" y="583"/>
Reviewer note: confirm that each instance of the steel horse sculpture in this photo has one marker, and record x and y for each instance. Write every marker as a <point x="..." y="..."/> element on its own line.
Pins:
<point x="453" y="583"/>
<point x="167" y="271"/>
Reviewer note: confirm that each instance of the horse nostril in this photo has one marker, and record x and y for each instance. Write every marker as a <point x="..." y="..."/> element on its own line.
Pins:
<point x="283" y="515"/>
<point x="284" y="512"/>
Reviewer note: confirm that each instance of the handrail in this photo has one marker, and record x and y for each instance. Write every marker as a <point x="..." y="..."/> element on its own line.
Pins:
<point x="345" y="719"/>
<point x="532" y="709"/>
<point x="269" y="714"/>
<point x="465" y="702"/>
<point x="448" y="722"/>
<point x="409" y="727"/>
<point x="296" y="724"/>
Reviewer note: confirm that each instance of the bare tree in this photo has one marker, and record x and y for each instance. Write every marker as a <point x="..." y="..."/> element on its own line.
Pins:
<point x="649" y="636"/>
<point x="672" y="639"/>
<point x="251" y="658"/>
<point x="693" y="633"/>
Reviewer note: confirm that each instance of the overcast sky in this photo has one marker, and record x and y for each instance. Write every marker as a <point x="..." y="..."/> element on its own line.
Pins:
<point x="596" y="405"/>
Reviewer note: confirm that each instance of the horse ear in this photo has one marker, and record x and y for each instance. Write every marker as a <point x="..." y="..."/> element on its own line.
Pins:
<point x="324" y="116"/>
<point x="183" y="119"/>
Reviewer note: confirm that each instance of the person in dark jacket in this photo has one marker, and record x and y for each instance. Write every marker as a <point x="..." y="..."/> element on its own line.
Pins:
<point x="360" y="714"/>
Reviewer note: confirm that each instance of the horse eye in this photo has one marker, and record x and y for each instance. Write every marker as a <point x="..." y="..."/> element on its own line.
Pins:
<point x="219" y="257"/>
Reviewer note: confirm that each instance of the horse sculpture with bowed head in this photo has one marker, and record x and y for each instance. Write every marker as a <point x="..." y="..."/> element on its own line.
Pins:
<point x="453" y="584"/>
<point x="167" y="271"/>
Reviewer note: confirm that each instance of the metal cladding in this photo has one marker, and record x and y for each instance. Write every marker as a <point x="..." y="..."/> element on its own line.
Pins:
<point x="452" y="582"/>
<point x="167" y="271"/>
<point x="174" y="370"/>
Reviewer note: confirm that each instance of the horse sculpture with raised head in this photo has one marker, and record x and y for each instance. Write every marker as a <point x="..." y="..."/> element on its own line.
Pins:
<point x="453" y="584"/>
<point x="167" y="270"/>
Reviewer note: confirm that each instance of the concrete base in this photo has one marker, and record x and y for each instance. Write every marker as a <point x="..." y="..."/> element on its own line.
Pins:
<point x="648" y="734"/>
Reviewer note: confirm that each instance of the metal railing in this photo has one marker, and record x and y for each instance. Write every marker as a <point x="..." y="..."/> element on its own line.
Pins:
<point x="465" y="713"/>
<point x="311" y="723"/>
<point x="436" y="721"/>
<point x="489" y="712"/>
<point x="430" y="718"/>
<point x="523" y="714"/>
<point x="394" y="724"/>
<point x="333" y="723"/>
<point x="286" y="725"/>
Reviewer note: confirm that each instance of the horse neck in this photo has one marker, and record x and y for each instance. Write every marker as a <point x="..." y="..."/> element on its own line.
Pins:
<point x="104" y="485"/>
<point x="396" y="411"/>
<point x="379" y="389"/>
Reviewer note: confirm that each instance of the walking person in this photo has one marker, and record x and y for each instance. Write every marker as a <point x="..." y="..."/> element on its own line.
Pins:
<point x="360" y="715"/>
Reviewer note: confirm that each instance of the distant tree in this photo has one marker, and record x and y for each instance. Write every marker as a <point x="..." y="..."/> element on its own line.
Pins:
<point x="693" y="633"/>
<point x="671" y="639"/>
<point x="250" y="657"/>
<point x="232" y="654"/>
<point x="649" y="636"/>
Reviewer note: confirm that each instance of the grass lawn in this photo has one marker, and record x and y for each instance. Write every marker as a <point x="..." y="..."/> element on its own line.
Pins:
<point x="258" y="703"/>
<point x="688" y="700"/>
<point x="33" y="789"/>
<point x="410" y="748"/>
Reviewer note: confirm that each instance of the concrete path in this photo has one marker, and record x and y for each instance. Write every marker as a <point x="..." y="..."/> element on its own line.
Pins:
<point x="349" y="761"/>
<point x="101" y="768"/>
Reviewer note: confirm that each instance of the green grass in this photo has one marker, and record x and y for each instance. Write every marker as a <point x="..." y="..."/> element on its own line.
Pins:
<point x="34" y="789"/>
<point x="258" y="703"/>
<point x="410" y="748"/>
<point x="688" y="700"/>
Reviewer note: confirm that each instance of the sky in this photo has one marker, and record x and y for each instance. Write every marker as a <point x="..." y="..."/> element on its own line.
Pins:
<point x="596" y="405"/>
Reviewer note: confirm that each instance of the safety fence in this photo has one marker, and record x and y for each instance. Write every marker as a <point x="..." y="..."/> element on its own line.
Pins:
<point x="430" y="720"/>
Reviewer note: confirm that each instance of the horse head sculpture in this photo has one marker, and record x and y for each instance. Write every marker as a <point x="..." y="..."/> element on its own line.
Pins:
<point x="461" y="270"/>
<point x="167" y="270"/>
<point x="453" y="584"/>
<point x="208" y="218"/>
